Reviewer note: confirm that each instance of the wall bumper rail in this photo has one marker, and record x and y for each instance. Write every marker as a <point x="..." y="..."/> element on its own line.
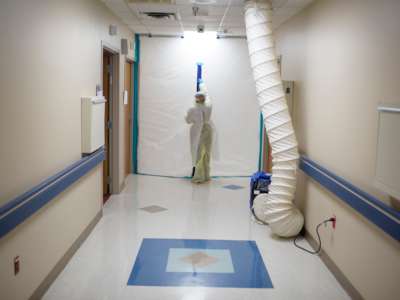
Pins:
<point x="22" y="207"/>
<point x="377" y="212"/>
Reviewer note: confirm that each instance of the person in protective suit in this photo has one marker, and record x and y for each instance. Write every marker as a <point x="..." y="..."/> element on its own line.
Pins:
<point x="201" y="137"/>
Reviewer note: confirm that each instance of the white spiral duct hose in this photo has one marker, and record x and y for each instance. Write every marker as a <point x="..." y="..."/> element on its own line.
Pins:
<point x="275" y="208"/>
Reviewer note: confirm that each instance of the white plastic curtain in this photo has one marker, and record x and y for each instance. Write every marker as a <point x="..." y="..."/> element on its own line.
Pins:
<point x="167" y="87"/>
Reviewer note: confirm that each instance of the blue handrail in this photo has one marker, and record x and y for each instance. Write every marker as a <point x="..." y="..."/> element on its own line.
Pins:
<point x="22" y="207"/>
<point x="382" y="215"/>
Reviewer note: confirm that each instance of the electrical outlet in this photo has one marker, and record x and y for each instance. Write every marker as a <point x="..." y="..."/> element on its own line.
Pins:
<point x="16" y="265"/>
<point x="334" y="222"/>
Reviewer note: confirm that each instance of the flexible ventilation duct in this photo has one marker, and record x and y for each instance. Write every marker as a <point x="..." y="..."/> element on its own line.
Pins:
<point x="275" y="208"/>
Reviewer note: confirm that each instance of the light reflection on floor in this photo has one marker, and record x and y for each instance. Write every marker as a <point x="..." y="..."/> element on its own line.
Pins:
<point x="102" y="266"/>
<point x="208" y="263"/>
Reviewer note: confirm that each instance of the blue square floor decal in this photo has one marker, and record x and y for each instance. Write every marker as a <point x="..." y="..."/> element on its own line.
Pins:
<point x="209" y="263"/>
<point x="233" y="187"/>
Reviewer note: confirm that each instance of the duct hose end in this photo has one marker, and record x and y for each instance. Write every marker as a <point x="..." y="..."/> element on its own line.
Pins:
<point x="283" y="217"/>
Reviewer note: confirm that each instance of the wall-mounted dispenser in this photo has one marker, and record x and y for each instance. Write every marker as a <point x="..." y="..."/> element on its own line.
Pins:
<point x="92" y="123"/>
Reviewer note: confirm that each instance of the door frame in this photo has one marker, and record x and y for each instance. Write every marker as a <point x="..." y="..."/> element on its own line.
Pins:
<point x="114" y="114"/>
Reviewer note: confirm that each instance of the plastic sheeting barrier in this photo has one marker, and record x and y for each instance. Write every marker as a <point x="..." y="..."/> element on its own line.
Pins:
<point x="167" y="87"/>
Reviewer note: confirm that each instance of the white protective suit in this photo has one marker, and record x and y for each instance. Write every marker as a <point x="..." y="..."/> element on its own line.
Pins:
<point x="198" y="115"/>
<point x="202" y="137"/>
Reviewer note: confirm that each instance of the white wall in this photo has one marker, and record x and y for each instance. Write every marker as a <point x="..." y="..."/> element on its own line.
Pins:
<point x="42" y="240"/>
<point x="50" y="56"/>
<point x="344" y="59"/>
<point x="167" y="88"/>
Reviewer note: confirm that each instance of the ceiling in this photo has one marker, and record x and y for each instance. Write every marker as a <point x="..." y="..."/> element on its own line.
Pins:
<point x="215" y="15"/>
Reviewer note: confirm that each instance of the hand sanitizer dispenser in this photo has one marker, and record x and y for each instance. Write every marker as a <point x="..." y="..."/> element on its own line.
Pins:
<point x="92" y="123"/>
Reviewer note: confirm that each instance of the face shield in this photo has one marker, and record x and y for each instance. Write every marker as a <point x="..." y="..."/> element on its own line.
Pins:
<point x="200" y="97"/>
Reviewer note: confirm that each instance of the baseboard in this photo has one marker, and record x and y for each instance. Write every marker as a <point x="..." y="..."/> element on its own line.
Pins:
<point x="339" y="275"/>
<point x="43" y="287"/>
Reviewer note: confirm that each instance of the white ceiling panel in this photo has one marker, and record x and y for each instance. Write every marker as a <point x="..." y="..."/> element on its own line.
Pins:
<point x="209" y="13"/>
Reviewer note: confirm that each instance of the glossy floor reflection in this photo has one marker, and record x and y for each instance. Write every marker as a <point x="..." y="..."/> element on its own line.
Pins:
<point x="206" y="263"/>
<point x="102" y="266"/>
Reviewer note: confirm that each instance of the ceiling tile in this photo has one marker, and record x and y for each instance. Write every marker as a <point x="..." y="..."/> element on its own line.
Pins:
<point x="130" y="10"/>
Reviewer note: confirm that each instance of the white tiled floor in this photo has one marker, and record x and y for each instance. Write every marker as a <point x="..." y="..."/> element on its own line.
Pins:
<point x="101" y="267"/>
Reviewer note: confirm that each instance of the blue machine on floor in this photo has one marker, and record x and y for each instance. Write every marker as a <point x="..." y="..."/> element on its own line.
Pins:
<point x="259" y="184"/>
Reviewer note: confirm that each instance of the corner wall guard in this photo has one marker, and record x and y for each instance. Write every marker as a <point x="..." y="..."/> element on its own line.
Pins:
<point x="22" y="207"/>
<point x="377" y="212"/>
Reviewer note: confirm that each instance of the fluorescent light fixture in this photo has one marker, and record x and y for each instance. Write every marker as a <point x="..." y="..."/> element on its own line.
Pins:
<point x="203" y="2"/>
<point x="200" y="35"/>
<point x="199" y="46"/>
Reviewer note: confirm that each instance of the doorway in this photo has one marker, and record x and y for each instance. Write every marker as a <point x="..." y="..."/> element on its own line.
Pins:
<point x="128" y="92"/>
<point x="108" y="94"/>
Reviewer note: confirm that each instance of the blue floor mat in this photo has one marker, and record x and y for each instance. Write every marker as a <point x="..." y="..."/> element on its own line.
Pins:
<point x="208" y="263"/>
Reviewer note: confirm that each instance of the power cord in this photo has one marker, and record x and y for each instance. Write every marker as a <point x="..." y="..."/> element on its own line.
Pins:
<point x="333" y="220"/>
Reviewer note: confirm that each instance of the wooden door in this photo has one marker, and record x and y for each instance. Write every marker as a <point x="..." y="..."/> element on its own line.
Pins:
<point x="107" y="92"/>
<point x="128" y="117"/>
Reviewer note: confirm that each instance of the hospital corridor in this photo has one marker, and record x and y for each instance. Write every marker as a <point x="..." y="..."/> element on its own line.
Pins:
<point x="199" y="149"/>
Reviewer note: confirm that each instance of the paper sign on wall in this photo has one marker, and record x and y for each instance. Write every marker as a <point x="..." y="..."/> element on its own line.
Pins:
<point x="125" y="97"/>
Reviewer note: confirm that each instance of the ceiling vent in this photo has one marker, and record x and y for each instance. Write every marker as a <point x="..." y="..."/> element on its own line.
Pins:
<point x="160" y="15"/>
